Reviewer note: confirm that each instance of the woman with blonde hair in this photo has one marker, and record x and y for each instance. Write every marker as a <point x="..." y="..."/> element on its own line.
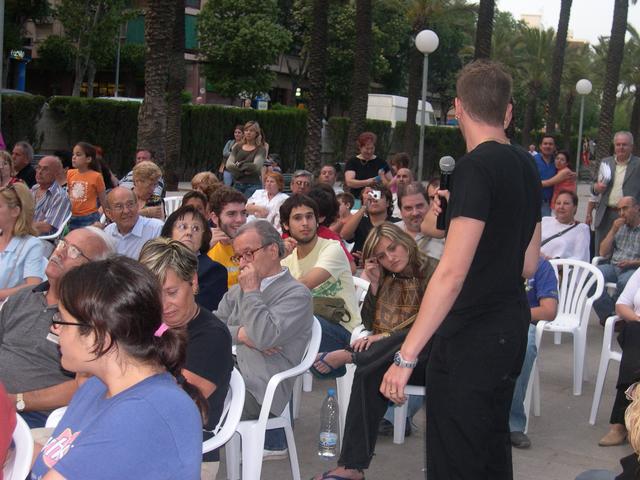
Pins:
<point x="145" y="178"/>
<point x="21" y="255"/>
<point x="7" y="174"/>
<point x="265" y="203"/>
<point x="246" y="159"/>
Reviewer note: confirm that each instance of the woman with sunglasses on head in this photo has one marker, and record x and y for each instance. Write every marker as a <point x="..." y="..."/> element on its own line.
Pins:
<point x="21" y="255"/>
<point x="209" y="361"/>
<point x="130" y="419"/>
<point x="246" y="160"/>
<point x="188" y="226"/>
<point x="7" y="174"/>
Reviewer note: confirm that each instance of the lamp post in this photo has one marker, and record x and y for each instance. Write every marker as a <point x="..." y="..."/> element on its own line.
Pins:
<point x="583" y="87"/>
<point x="426" y="41"/>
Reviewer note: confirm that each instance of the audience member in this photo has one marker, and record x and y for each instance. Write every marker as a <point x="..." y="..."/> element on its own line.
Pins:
<point x="209" y="361"/>
<point x="65" y="157"/>
<point x="542" y="295"/>
<point x="205" y="182"/>
<point x="301" y="182"/>
<point x="21" y="257"/>
<point x="143" y="155"/>
<point x="399" y="275"/>
<point x="365" y="169"/>
<point x="52" y="203"/>
<point x="400" y="160"/>
<point x="22" y="155"/>
<point x="129" y="230"/>
<point x="403" y="178"/>
<point x="414" y="205"/>
<point x="199" y="200"/>
<point x="624" y="181"/>
<point x="265" y="203"/>
<point x="562" y="235"/>
<point x="622" y="247"/>
<point x="85" y="187"/>
<point x="568" y="185"/>
<point x="238" y="133"/>
<point x="7" y="174"/>
<point x="345" y="204"/>
<point x="229" y="213"/>
<point x="29" y="360"/>
<point x="145" y="178"/>
<point x="129" y="419"/>
<point x="246" y="159"/>
<point x="190" y="228"/>
<point x="7" y="425"/>
<point x="329" y="175"/>
<point x="270" y="317"/>
<point x="110" y="180"/>
<point x="532" y="150"/>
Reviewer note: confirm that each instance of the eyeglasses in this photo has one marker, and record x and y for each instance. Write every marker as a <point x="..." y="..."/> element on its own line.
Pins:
<point x="72" y="251"/>
<point x="183" y="227"/>
<point x="56" y="322"/>
<point x="302" y="184"/>
<point x="121" y="207"/>
<point x="247" y="256"/>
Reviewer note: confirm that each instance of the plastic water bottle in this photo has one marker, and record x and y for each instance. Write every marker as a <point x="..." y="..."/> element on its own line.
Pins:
<point x="328" y="438"/>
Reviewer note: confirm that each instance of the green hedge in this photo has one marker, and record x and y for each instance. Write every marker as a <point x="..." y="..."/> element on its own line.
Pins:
<point x="20" y="114"/>
<point x="339" y="129"/>
<point x="205" y="129"/>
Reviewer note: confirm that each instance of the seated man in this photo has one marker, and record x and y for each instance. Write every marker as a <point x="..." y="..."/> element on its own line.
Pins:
<point x="29" y="358"/>
<point x="52" y="203"/>
<point x="22" y="156"/>
<point x="403" y="178"/>
<point x="301" y="182"/>
<point x="269" y="315"/>
<point x="622" y="247"/>
<point x="542" y="294"/>
<point x="329" y="175"/>
<point x="322" y="266"/>
<point x="143" y="155"/>
<point x="129" y="229"/>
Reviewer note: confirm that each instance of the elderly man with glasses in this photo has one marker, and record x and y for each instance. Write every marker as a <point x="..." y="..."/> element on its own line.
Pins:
<point x="129" y="229"/>
<point x="301" y="182"/>
<point x="29" y="358"/>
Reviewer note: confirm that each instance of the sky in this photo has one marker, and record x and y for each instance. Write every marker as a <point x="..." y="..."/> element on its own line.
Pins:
<point x="589" y="18"/>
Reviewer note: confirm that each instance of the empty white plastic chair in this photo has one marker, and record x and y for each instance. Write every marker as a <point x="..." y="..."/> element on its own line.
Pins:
<point x="171" y="204"/>
<point x="249" y="441"/>
<point x="231" y="413"/>
<point x="608" y="353"/>
<point x="18" y="462"/>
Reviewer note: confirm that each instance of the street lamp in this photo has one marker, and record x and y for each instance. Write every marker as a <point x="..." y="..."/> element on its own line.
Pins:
<point x="427" y="42"/>
<point x="583" y="87"/>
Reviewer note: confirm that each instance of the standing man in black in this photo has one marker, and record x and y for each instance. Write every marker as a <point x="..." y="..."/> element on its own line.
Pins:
<point x="475" y="310"/>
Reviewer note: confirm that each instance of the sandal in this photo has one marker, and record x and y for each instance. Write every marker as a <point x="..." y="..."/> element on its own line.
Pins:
<point x="329" y="476"/>
<point x="333" y="371"/>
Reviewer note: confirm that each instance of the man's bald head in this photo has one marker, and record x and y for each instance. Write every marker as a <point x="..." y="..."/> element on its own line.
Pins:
<point x="47" y="170"/>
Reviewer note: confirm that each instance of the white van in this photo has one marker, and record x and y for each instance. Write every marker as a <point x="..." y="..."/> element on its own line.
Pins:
<point x="393" y="108"/>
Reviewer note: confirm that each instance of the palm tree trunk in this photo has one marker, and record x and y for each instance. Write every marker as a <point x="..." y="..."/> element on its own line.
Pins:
<point x="413" y="93"/>
<point x="317" y="77"/>
<point x="484" y="29"/>
<point x="558" y="64"/>
<point x="634" y="125"/>
<point x="361" y="75"/>
<point x="611" y="80"/>
<point x="529" y="114"/>
<point x="567" y="123"/>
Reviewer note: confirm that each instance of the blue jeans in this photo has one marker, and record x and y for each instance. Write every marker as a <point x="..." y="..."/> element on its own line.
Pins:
<point x="35" y="419"/>
<point x="227" y="178"/>
<point x="334" y="337"/>
<point x="517" y="416"/>
<point x="83" y="221"/>
<point x="605" y="305"/>
<point x="545" y="208"/>
<point x="247" y="189"/>
<point x="415" y="403"/>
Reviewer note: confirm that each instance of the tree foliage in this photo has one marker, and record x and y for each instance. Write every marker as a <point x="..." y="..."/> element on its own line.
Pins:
<point x="240" y="39"/>
<point x="56" y="54"/>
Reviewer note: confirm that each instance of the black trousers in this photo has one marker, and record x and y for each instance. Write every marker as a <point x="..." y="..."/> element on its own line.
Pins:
<point x="629" y="340"/>
<point x="470" y="380"/>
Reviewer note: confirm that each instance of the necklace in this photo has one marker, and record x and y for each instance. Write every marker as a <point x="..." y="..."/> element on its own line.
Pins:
<point x="495" y="139"/>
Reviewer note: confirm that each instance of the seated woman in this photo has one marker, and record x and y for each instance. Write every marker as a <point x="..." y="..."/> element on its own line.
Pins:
<point x="399" y="274"/>
<point x="209" y="362"/>
<point x="21" y="253"/>
<point x="188" y="226"/>
<point x="130" y="419"/>
<point x="265" y="203"/>
<point x="145" y="178"/>
<point x="562" y="235"/>
<point x="205" y="182"/>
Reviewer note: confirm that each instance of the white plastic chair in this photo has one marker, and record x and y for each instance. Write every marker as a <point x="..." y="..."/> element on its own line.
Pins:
<point x="574" y="308"/>
<point x="55" y="235"/>
<point x="18" y="462"/>
<point x="249" y="441"/>
<point x="231" y="413"/>
<point x="608" y="353"/>
<point x="54" y="417"/>
<point x="171" y="204"/>
<point x="610" y="286"/>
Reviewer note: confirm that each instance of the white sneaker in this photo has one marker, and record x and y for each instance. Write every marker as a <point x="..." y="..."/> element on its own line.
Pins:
<point x="274" y="454"/>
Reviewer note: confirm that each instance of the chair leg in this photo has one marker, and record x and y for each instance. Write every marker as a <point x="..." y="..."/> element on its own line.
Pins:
<point x="293" y="453"/>
<point x="536" y="391"/>
<point x="597" y="394"/>
<point x="307" y="382"/>
<point x="528" y="395"/>
<point x="578" y="361"/>
<point x="232" y="455"/>
<point x="343" y="390"/>
<point x="399" y="422"/>
<point x="252" y="453"/>
<point x="297" y="395"/>
<point x="557" y="338"/>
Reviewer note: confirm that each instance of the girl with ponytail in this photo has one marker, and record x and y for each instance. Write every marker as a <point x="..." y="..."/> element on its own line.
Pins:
<point x="130" y="419"/>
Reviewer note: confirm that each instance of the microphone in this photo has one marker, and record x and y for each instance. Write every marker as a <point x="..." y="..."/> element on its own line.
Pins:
<point x="447" y="164"/>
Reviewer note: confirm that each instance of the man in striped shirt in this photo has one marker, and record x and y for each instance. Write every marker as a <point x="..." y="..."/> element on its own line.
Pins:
<point x="52" y="202"/>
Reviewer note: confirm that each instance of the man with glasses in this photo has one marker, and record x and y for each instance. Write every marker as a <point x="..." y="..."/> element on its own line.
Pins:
<point x="129" y="229"/>
<point x="29" y="358"/>
<point x="301" y="182"/>
<point x="269" y="315"/>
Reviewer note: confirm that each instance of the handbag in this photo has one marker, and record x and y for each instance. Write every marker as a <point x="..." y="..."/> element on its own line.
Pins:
<point x="332" y="309"/>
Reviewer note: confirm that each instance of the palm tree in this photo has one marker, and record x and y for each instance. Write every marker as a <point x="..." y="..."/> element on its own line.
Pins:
<point x="630" y="79"/>
<point x="317" y="89"/>
<point x="484" y="29"/>
<point x="558" y="63"/>
<point x="361" y="74"/>
<point x="611" y="79"/>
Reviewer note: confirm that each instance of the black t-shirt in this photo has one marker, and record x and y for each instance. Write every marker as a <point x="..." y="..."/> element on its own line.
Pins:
<point x="27" y="175"/>
<point x="365" y="170"/>
<point x="499" y="185"/>
<point x="209" y="356"/>
<point x="212" y="282"/>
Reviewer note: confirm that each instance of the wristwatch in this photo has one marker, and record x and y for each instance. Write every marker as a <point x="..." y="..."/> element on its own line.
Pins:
<point x="401" y="362"/>
<point x="20" y="402"/>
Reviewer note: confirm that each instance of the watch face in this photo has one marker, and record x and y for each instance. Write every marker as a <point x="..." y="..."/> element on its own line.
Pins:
<point x="20" y="405"/>
<point x="396" y="359"/>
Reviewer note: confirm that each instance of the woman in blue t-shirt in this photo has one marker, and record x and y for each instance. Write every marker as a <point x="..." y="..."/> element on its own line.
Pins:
<point x="130" y="419"/>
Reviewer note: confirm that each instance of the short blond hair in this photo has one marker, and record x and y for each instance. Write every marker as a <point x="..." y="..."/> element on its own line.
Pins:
<point x="146" y="172"/>
<point x="206" y="182"/>
<point x="18" y="195"/>
<point x="162" y="254"/>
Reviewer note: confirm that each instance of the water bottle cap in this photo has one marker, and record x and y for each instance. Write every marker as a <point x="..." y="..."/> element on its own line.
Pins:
<point x="331" y="392"/>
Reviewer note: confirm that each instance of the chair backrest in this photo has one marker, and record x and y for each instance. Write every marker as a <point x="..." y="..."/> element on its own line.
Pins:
<point x="18" y="462"/>
<point x="362" y="287"/>
<point x="58" y="232"/>
<point x="171" y="204"/>
<point x="54" y="417"/>
<point x="231" y="414"/>
<point x="579" y="284"/>
<point x="307" y="360"/>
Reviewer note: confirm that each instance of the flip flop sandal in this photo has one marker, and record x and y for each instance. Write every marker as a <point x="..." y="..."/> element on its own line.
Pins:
<point x="329" y="476"/>
<point x="332" y="373"/>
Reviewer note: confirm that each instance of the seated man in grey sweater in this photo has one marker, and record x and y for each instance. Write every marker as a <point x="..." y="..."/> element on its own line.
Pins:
<point x="270" y="316"/>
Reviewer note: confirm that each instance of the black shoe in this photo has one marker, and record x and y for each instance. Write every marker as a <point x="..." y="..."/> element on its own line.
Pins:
<point x="519" y="440"/>
<point x="385" y="428"/>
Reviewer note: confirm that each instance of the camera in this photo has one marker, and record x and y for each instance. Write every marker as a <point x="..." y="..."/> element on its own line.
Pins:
<point x="375" y="194"/>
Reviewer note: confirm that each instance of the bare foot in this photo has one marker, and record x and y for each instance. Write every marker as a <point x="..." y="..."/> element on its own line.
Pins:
<point x="328" y="361"/>
<point x="341" y="472"/>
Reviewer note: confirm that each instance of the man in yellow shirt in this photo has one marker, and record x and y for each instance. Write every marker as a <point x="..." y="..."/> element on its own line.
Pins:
<point x="229" y="213"/>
